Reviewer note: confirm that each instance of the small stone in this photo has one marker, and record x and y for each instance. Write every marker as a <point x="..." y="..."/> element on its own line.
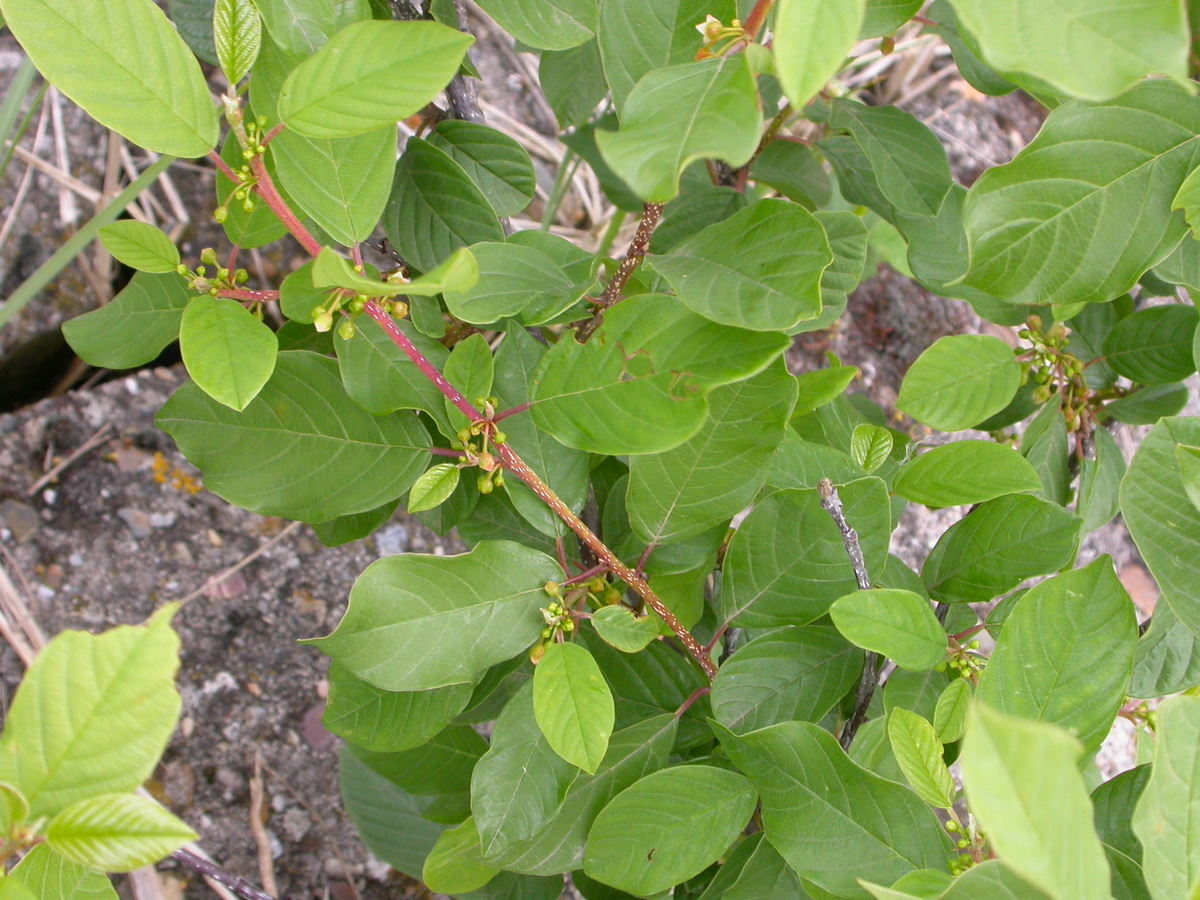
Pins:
<point x="136" y="520"/>
<point x="232" y="781"/>
<point x="45" y="592"/>
<point x="163" y="520"/>
<point x="75" y="560"/>
<point x="54" y="576"/>
<point x="49" y="495"/>
<point x="322" y="688"/>
<point x="296" y="824"/>
<point x="222" y="681"/>
<point x="179" y="784"/>
<point x="132" y="387"/>
<point x="213" y="538"/>
<point x="314" y="732"/>
<point x="181" y="555"/>
<point x="20" y="519"/>
<point x="187" y="725"/>
<point x="227" y="588"/>
<point x="392" y="540"/>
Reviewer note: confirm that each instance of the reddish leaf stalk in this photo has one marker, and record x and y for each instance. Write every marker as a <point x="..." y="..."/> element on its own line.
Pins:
<point x="222" y="165"/>
<point x="265" y="188"/>
<point x="758" y="16"/>
<point x="692" y="698"/>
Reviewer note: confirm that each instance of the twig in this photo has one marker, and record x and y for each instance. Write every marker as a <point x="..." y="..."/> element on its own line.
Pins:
<point x="266" y="870"/>
<point x="633" y="256"/>
<point x="832" y="504"/>
<point x="91" y="443"/>
<point x="237" y="567"/>
<point x="235" y="883"/>
<point x="464" y="101"/>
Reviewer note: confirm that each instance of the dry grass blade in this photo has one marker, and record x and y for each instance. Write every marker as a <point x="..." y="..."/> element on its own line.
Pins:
<point x="266" y="870"/>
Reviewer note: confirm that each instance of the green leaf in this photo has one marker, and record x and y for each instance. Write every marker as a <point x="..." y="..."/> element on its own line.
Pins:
<point x="652" y="395"/>
<point x="1167" y="659"/>
<point x="443" y="765"/>
<point x="134" y="327"/>
<point x="919" y="753"/>
<point x="1079" y="217"/>
<point x="1147" y="406"/>
<point x="299" y="26"/>
<point x="330" y="269"/>
<point x="470" y="368"/>
<point x="558" y="845"/>
<point x="715" y="473"/>
<point x="1162" y="520"/>
<point x="1165" y="819"/>
<point x="433" y="488"/>
<point x="795" y="171"/>
<point x="950" y="715"/>
<point x="897" y="624"/>
<point x="833" y="821"/>
<point x="194" y="21"/>
<point x="140" y="246"/>
<point x="260" y="226"/>
<point x="499" y="166"/>
<point x="1081" y="49"/>
<point x="821" y="387"/>
<point x="667" y="827"/>
<point x="1189" y="470"/>
<point x="388" y="721"/>
<point x="435" y="208"/>
<point x="915" y="691"/>
<point x="49" y="876"/>
<point x="93" y="715"/>
<point x="411" y="623"/>
<point x="157" y="100"/>
<point x="997" y="546"/>
<point x="368" y="75"/>
<point x="1114" y="803"/>
<point x="355" y="526"/>
<point x="573" y="82"/>
<point x="573" y="705"/>
<point x="965" y="50"/>
<point x="1099" y="482"/>
<point x="229" y="353"/>
<point x="299" y="449"/>
<point x="545" y="24"/>
<point x="812" y="40"/>
<point x="786" y="564"/>
<point x="884" y="16"/>
<point x="765" y="876"/>
<point x="679" y="114"/>
<point x="1044" y="445"/>
<point x="759" y="269"/>
<point x="1154" y="346"/>
<point x="618" y="626"/>
<point x="454" y="865"/>
<point x="870" y="446"/>
<point x="116" y="832"/>
<point x="960" y="381"/>
<point x="1023" y="784"/>
<point x="791" y="673"/>
<point x="965" y="472"/>
<point x="1188" y="200"/>
<point x="237" y="36"/>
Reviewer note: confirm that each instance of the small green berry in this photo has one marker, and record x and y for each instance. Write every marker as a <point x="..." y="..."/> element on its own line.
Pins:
<point x="498" y="478"/>
<point x="962" y="844"/>
<point x="241" y="276"/>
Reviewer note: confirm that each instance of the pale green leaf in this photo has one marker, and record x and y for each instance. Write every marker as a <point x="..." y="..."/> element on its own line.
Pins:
<point x="471" y="369"/>
<point x="618" y="626"/>
<point x="433" y="488"/>
<point x="140" y="246"/>
<point x="898" y="624"/>
<point x="157" y="100"/>
<point x="301" y="449"/>
<point x="545" y="24"/>
<point x="116" y="832"/>
<point x="950" y="714"/>
<point x="1188" y="200"/>
<point x="1023" y="784"/>
<point x="870" y="446"/>
<point x="573" y="705"/>
<point x="1083" y="49"/>
<point x="412" y="624"/>
<point x="237" y="36"/>
<point x="960" y="381"/>
<point x="454" y="865"/>
<point x="50" y="876"/>
<point x="229" y="353"/>
<point x="368" y="75"/>
<point x="92" y="715"/>
<point x="458" y="271"/>
<point x="965" y="472"/>
<point x="822" y="386"/>
<point x="919" y="753"/>
<point x="679" y="114"/>
<point x="300" y="26"/>
<point x="132" y="328"/>
<point x="667" y="827"/>
<point x="759" y="269"/>
<point x="812" y="40"/>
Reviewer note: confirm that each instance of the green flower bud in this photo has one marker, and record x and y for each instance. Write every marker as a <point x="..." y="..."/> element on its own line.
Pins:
<point x="241" y="276"/>
<point x="499" y="437"/>
<point x="498" y="478"/>
<point x="346" y="329"/>
<point x="220" y="214"/>
<point x="399" y="309"/>
<point x="484" y="484"/>
<point x="952" y="826"/>
<point x="181" y="269"/>
<point x="200" y="270"/>
<point x="248" y="205"/>
<point x="208" y="255"/>
<point x="323" y="321"/>
<point x="356" y="305"/>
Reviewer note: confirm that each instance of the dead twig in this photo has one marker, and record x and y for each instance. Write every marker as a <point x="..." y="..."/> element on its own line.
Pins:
<point x="241" y="564"/>
<point x="91" y="443"/>
<point x="266" y="869"/>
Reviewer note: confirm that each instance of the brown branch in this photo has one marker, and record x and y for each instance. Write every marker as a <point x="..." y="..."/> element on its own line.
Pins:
<point x="633" y="256"/>
<point x="832" y="504"/>
<point x="235" y="883"/>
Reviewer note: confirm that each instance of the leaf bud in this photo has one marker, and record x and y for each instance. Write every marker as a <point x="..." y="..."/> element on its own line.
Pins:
<point x="323" y="321"/>
<point x="346" y="329"/>
<point x="220" y="214"/>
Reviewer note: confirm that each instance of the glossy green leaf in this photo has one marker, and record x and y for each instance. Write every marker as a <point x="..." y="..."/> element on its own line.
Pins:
<point x="442" y="765"/>
<point x="157" y="100"/>
<point x="812" y="40"/>
<point x="997" y="546"/>
<point x="1023" y="784"/>
<point x="300" y="26"/>
<point x="1114" y="803"/>
<point x="433" y="488"/>
<point x="1167" y="660"/>
<point x="229" y="353"/>
<point x="618" y="626"/>
<point x="833" y="821"/>
<point x="435" y="207"/>
<point x="140" y="246"/>
<point x="652" y="395"/>
<point x="368" y="75"/>
<point x="1078" y="216"/>
<point x="678" y="114"/>
<point x="499" y="166"/>
<point x="134" y="327"/>
<point x="573" y="82"/>
<point x="1166" y="816"/>
<point x="822" y="386"/>
<point x="1154" y="346"/>
<point x="715" y="473"/>
<point x="1082" y="49"/>
<point x="667" y="827"/>
<point x="960" y="381"/>
<point x="237" y="36"/>
<point x="558" y="845"/>
<point x="900" y="625"/>
<point x="92" y="715"/>
<point x="470" y="369"/>
<point x="545" y="24"/>
<point x="454" y="865"/>
<point x="965" y="472"/>
<point x="388" y="721"/>
<point x="870" y="446"/>
<point x="1044" y="445"/>
<point x="519" y="278"/>
<point x="573" y="705"/>
<point x="786" y="564"/>
<point x="412" y="620"/>
<point x="791" y="673"/>
<point x="1099" y="482"/>
<point x="354" y="526"/>
<point x="725" y="273"/>
<point x="689" y="214"/>
<point x="1189" y="470"/>
<point x="765" y="876"/>
<point x="49" y="876"/>
<point x="919" y="753"/>
<point x="299" y="449"/>
<point x="116" y="832"/>
<point x="1162" y="520"/>
<point x="950" y="714"/>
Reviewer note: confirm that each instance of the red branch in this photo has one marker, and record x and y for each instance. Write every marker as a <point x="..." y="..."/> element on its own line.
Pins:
<point x="265" y="188"/>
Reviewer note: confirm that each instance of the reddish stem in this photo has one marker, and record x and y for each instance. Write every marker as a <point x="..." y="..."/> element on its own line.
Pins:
<point x="265" y="188"/>
<point x="442" y="451"/>
<point x="587" y="576"/>
<point x="644" y="558"/>
<point x="271" y="134"/>
<point x="505" y="413"/>
<point x="222" y="165"/>
<point x="252" y="296"/>
<point x="695" y="695"/>
<point x="758" y="16"/>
